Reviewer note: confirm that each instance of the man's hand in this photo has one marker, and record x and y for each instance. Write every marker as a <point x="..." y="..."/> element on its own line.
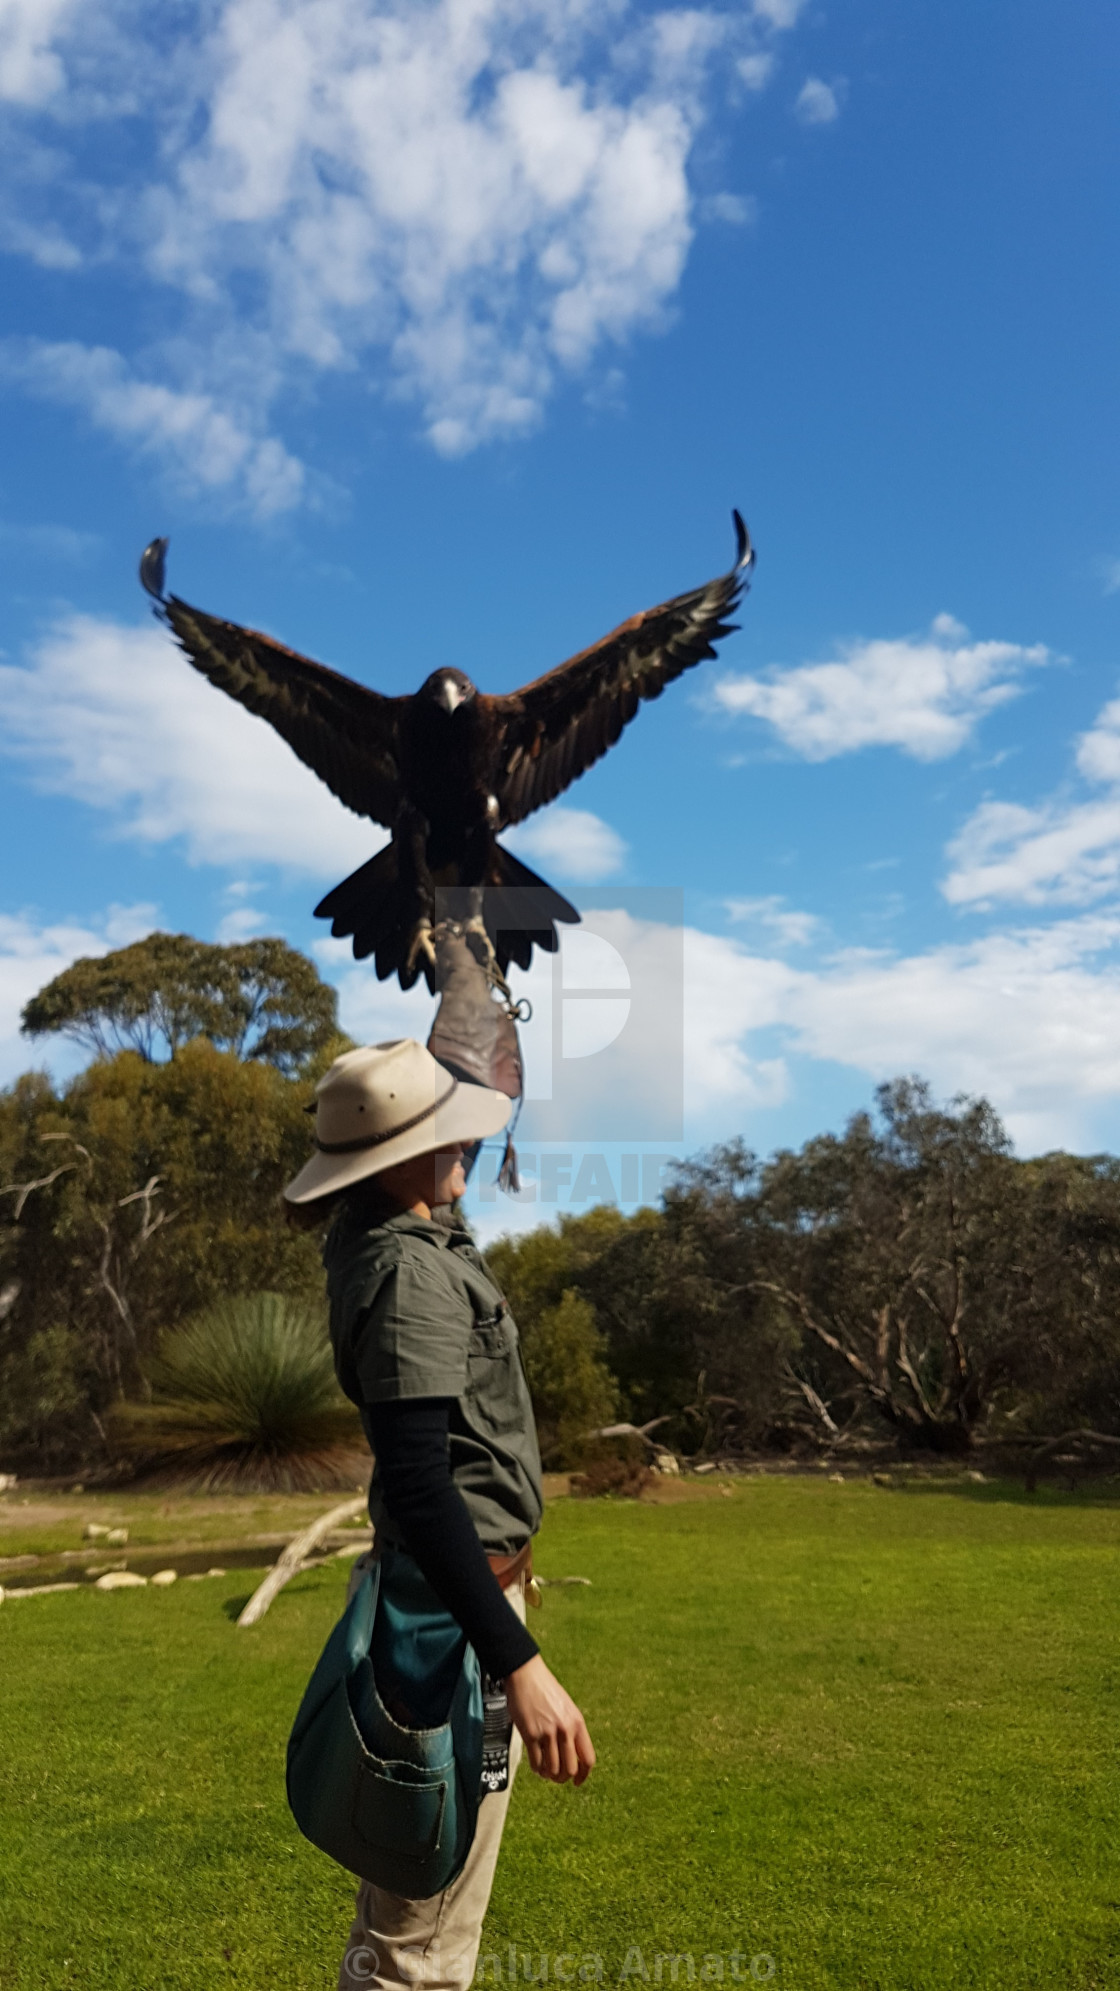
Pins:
<point x="553" y="1729"/>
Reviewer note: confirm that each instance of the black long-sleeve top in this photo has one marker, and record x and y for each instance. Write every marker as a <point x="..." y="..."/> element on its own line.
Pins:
<point x="410" y="1438"/>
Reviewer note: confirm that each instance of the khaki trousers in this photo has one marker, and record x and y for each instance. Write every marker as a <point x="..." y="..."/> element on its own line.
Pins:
<point x="396" y="1942"/>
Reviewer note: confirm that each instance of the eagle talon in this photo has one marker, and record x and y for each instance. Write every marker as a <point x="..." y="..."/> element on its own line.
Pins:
<point x="421" y="947"/>
<point x="480" y="943"/>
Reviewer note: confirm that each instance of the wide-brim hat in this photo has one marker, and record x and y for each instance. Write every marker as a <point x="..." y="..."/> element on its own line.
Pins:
<point x="386" y="1103"/>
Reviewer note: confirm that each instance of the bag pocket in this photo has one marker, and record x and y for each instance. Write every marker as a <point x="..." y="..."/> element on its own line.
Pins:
<point x="394" y="1813"/>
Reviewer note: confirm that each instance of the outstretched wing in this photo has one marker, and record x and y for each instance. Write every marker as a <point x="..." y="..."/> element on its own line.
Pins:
<point x="344" y="732"/>
<point x="559" y="725"/>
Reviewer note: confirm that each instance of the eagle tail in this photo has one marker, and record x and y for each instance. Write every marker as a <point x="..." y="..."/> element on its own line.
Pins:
<point x="369" y="906"/>
<point x="521" y="910"/>
<point x="372" y="907"/>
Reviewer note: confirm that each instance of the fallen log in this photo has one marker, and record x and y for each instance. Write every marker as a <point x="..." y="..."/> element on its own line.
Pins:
<point x="1052" y="1446"/>
<point x="290" y="1562"/>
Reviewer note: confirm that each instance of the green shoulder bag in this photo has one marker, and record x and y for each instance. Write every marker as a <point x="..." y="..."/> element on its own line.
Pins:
<point x="397" y="1806"/>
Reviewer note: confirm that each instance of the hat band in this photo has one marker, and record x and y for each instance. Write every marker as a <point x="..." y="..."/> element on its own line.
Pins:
<point x="390" y="1134"/>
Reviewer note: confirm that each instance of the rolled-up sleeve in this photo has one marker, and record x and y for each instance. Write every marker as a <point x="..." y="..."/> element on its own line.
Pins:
<point x="411" y="1334"/>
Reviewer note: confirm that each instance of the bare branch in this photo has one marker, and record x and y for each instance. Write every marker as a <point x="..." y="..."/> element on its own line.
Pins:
<point x="906" y="1365"/>
<point x="799" y="1306"/>
<point x="22" y="1190"/>
<point x="816" y="1404"/>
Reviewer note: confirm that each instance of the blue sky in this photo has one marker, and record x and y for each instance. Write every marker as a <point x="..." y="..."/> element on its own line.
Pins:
<point x="451" y="332"/>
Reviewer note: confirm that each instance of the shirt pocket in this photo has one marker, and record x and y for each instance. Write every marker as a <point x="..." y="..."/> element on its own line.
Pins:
<point x="493" y="1384"/>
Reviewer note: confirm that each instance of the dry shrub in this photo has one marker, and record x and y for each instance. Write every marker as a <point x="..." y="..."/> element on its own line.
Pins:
<point x="626" y="1477"/>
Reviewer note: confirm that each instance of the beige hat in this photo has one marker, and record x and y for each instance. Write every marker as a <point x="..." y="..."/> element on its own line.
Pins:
<point x="386" y="1103"/>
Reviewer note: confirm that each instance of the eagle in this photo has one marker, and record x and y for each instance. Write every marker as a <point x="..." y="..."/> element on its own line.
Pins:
<point x="446" y="769"/>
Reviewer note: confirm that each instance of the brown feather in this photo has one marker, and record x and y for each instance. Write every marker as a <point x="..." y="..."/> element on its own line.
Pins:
<point x="555" y="728"/>
<point x="346" y="733"/>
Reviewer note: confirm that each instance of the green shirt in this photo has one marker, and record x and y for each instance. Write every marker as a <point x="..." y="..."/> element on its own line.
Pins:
<point x="415" y="1313"/>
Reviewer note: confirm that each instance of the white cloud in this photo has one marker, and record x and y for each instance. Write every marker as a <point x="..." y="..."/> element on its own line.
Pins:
<point x="790" y="928"/>
<point x="30" y="69"/>
<point x="115" y="717"/>
<point x="483" y="193"/>
<point x="572" y="843"/>
<point x="1028" y="1017"/>
<point x="206" y="446"/>
<point x="49" y="542"/>
<point x="778" y="13"/>
<point x="1110" y="576"/>
<point x="43" y="243"/>
<point x="819" y="102"/>
<point x="1040" y="856"/>
<point x="755" y="70"/>
<point x="1058" y="852"/>
<point x="738" y="210"/>
<point x="370" y="1011"/>
<point x="31" y="955"/>
<point x="924" y="695"/>
<point x="241" y="918"/>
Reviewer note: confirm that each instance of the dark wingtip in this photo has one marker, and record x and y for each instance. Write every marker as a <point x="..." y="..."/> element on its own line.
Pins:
<point x="744" y="551"/>
<point x="153" y="561"/>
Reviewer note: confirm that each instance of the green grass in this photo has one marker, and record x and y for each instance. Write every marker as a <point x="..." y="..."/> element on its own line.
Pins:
<point x="871" y="1734"/>
<point x="48" y="1524"/>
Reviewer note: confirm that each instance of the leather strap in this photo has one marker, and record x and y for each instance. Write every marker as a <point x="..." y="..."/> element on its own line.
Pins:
<point x="507" y="1568"/>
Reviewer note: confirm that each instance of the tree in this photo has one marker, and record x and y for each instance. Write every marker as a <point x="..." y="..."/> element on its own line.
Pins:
<point x="896" y="1249"/>
<point x="260" y="999"/>
<point x="137" y="1197"/>
<point x="572" y="1388"/>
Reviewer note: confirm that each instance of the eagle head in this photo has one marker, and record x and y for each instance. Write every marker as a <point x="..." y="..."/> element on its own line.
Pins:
<point x="449" y="688"/>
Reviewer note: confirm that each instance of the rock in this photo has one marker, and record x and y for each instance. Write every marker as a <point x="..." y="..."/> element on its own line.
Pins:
<point x="78" y="1489"/>
<point x="882" y="1479"/>
<point x="978" y="1479"/>
<point x="164" y="1577"/>
<point x="667" y="1462"/>
<point x="707" y="1467"/>
<point x="105" y="1568"/>
<point x="121" y="1579"/>
<point x="94" y="1532"/>
<point x="215" y="1572"/>
<point x="836" y="1479"/>
<point x="116" y="1538"/>
<point x="8" y="1481"/>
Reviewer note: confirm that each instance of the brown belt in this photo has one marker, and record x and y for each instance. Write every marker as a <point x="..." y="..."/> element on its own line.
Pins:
<point x="507" y="1568"/>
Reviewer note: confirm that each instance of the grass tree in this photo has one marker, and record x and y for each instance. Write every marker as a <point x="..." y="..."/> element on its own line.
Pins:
<point x="245" y="1396"/>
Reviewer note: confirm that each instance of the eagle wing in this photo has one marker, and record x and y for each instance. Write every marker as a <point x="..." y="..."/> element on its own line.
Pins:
<point x="558" y="726"/>
<point x="346" y="733"/>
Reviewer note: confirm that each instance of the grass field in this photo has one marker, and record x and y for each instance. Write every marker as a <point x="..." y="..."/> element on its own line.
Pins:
<point x="868" y="1737"/>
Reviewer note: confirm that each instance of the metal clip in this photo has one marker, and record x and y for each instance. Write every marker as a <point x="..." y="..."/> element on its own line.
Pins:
<point x="533" y="1593"/>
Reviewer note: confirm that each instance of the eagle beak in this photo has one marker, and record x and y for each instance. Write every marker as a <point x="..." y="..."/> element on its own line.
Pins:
<point x="450" y="694"/>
